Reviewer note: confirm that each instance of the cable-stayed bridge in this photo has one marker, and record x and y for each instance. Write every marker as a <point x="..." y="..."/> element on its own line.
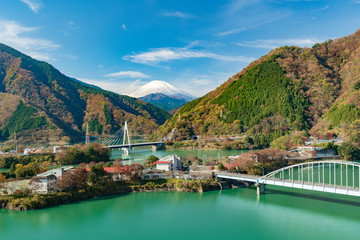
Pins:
<point x="121" y="140"/>
<point x="340" y="177"/>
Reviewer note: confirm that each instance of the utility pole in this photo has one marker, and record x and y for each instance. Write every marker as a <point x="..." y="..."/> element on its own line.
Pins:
<point x="87" y="137"/>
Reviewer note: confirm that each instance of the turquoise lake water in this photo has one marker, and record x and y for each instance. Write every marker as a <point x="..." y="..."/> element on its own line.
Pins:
<point x="227" y="214"/>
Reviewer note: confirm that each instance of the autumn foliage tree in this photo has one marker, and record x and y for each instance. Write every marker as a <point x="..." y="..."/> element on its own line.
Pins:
<point x="133" y="171"/>
<point x="73" y="179"/>
<point x="80" y="153"/>
<point x="260" y="162"/>
<point x="149" y="162"/>
<point x="2" y="180"/>
<point x="97" y="173"/>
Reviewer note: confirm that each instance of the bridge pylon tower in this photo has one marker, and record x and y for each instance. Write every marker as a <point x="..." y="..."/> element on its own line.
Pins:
<point x="126" y="135"/>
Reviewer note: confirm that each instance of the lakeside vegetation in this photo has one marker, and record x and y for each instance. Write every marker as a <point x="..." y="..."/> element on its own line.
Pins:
<point x="88" y="179"/>
<point x="28" y="166"/>
<point x="81" y="184"/>
<point x="28" y="201"/>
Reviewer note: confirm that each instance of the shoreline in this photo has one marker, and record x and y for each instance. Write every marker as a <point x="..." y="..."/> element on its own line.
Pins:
<point x="23" y="202"/>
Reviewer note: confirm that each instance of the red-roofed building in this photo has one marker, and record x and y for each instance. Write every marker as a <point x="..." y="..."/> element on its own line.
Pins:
<point x="162" y="162"/>
<point x="118" y="173"/>
<point x="114" y="169"/>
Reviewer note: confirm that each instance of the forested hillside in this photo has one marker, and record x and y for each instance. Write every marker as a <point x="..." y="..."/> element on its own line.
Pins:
<point x="290" y="90"/>
<point x="40" y="103"/>
<point x="163" y="101"/>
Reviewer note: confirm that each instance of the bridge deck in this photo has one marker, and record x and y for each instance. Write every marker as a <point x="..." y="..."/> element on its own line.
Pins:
<point x="330" y="188"/>
<point x="239" y="177"/>
<point x="353" y="191"/>
<point x="135" y="145"/>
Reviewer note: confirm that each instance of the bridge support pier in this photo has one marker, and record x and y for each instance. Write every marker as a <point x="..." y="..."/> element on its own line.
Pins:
<point x="260" y="188"/>
<point x="154" y="148"/>
<point x="126" y="151"/>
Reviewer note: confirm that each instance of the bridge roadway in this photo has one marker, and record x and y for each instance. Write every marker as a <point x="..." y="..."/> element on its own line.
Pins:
<point x="136" y="145"/>
<point x="314" y="186"/>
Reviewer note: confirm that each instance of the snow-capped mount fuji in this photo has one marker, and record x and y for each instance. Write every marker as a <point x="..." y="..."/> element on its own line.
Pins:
<point x="163" y="87"/>
<point x="162" y="94"/>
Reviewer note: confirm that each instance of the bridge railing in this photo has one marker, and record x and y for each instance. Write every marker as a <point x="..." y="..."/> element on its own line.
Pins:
<point x="326" y="174"/>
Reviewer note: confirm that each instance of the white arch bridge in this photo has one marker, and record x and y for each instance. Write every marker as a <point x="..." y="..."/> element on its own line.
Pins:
<point x="340" y="177"/>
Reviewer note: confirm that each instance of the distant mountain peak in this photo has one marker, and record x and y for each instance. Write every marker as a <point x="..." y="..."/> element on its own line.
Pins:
<point x="162" y="87"/>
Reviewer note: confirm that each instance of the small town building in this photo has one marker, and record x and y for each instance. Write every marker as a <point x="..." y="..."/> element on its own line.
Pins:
<point x="169" y="163"/>
<point x="57" y="149"/>
<point x="315" y="152"/>
<point x="117" y="173"/>
<point x="308" y="148"/>
<point x="28" y="151"/>
<point x="46" y="182"/>
<point x="152" y="174"/>
<point x="11" y="186"/>
<point x="43" y="184"/>
<point x="307" y="151"/>
<point x="311" y="141"/>
<point x="335" y="141"/>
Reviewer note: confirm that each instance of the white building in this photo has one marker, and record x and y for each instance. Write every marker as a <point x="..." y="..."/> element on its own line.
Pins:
<point x="46" y="182"/>
<point x="308" y="148"/>
<point x="43" y="184"/>
<point x="169" y="163"/>
<point x="27" y="151"/>
<point x="308" y="151"/>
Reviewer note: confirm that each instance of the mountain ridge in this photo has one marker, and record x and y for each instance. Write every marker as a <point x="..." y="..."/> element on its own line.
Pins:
<point x="66" y="105"/>
<point x="163" y="101"/>
<point x="320" y="80"/>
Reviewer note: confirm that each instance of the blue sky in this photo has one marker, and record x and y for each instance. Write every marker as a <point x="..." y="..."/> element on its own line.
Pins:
<point x="195" y="45"/>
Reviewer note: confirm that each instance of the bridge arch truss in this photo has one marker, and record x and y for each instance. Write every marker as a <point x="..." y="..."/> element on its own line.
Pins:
<point x="342" y="177"/>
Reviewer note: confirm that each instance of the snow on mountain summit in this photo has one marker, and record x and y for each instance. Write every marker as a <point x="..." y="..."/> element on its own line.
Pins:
<point x="160" y="87"/>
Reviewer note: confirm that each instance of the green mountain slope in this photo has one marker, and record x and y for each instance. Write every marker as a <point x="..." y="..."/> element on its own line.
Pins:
<point x="60" y="106"/>
<point x="290" y="89"/>
<point x="163" y="101"/>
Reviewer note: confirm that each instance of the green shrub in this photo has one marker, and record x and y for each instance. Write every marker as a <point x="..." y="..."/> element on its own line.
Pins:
<point x="349" y="151"/>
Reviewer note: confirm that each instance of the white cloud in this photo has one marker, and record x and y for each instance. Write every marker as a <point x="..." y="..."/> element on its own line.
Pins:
<point x="12" y="33"/>
<point x="72" y="25"/>
<point x="232" y="31"/>
<point x="356" y="1"/>
<point x="176" y="14"/>
<point x="159" y="55"/>
<point x="320" y="9"/>
<point x="124" y="27"/>
<point x="127" y="74"/>
<point x="274" y="43"/>
<point x="39" y="56"/>
<point x="117" y="86"/>
<point x="34" y="5"/>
